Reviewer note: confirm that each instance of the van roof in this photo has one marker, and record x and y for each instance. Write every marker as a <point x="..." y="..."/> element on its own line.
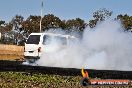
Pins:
<point x="54" y="34"/>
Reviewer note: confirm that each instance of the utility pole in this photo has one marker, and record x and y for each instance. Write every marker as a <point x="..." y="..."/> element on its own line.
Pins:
<point x="41" y="16"/>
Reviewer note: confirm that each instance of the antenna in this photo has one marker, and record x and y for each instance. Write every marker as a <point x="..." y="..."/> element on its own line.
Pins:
<point x="41" y="16"/>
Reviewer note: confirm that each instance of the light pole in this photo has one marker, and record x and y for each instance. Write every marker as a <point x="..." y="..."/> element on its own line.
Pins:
<point x="41" y="16"/>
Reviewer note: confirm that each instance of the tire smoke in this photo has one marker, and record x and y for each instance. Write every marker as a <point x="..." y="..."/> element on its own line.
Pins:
<point x="107" y="46"/>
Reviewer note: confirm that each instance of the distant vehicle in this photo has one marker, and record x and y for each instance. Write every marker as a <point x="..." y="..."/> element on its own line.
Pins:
<point x="38" y="43"/>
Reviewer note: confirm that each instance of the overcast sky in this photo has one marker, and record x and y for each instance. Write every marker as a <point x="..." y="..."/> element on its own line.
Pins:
<point x="64" y="9"/>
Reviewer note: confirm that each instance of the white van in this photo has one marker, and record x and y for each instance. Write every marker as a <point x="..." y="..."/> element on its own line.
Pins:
<point x="38" y="43"/>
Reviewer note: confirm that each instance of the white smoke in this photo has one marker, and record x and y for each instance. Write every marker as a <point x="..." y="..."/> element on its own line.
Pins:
<point x="106" y="46"/>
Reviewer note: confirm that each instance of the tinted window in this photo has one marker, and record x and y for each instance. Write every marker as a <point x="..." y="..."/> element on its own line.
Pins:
<point x="47" y="39"/>
<point x="33" y="39"/>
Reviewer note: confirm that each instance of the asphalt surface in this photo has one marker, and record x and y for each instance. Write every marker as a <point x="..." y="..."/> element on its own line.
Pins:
<point x="17" y="66"/>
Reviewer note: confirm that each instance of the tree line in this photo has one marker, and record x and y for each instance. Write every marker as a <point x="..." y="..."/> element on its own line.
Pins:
<point x="17" y="30"/>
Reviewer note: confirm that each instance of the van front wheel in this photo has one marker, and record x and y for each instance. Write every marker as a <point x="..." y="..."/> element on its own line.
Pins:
<point x="31" y="60"/>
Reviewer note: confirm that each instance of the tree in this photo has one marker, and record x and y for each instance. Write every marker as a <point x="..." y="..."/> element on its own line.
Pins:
<point x="51" y="21"/>
<point x="32" y="24"/>
<point x="17" y="33"/>
<point x="126" y="21"/>
<point x="2" y="26"/>
<point x="2" y="22"/>
<point x="5" y="28"/>
<point x="77" y="25"/>
<point x="17" y="22"/>
<point x="99" y="15"/>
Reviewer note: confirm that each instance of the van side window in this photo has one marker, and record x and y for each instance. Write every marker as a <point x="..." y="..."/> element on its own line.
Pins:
<point x="49" y="39"/>
<point x="46" y="39"/>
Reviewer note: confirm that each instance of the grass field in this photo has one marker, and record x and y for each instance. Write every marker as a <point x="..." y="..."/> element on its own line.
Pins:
<point x="28" y="80"/>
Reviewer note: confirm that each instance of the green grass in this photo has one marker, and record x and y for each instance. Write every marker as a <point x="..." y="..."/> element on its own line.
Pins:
<point x="28" y="80"/>
<point x="38" y="80"/>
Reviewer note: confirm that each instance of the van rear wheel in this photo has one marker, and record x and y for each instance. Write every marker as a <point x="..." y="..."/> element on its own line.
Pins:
<point x="30" y="61"/>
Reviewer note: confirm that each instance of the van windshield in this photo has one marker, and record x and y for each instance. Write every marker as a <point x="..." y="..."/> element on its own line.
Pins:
<point x="33" y="39"/>
<point x="47" y="39"/>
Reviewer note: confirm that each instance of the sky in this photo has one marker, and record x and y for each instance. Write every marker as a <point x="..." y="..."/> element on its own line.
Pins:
<point x="64" y="9"/>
